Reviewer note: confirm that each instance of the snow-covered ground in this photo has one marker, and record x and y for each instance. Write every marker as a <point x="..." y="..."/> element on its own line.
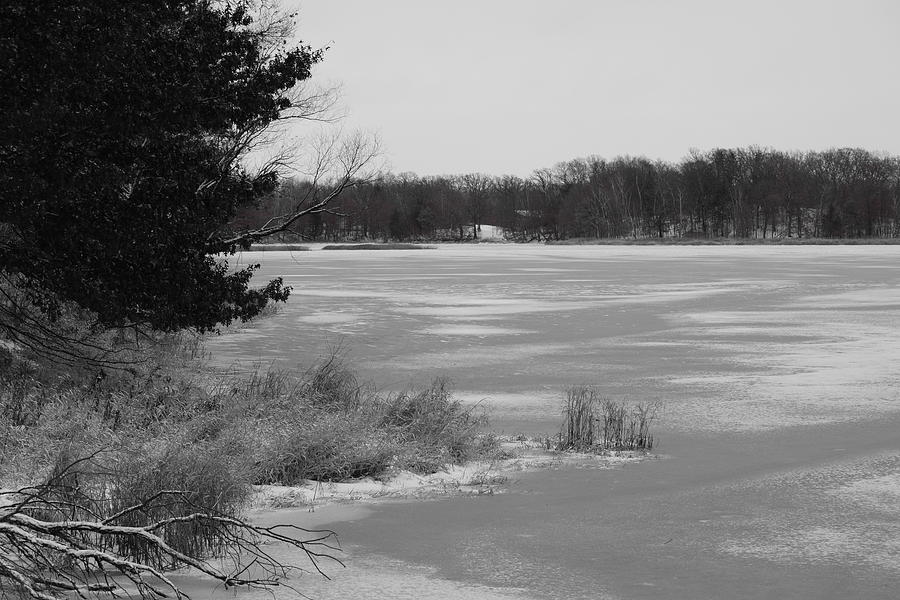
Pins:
<point x="471" y="478"/>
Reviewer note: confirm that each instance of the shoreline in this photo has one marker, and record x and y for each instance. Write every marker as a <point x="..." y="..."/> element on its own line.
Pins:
<point x="431" y="244"/>
<point x="474" y="478"/>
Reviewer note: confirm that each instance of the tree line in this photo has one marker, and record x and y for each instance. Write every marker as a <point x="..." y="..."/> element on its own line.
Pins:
<point x="722" y="193"/>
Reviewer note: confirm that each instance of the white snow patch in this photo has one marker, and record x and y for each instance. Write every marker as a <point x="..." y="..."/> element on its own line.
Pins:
<point x="473" y="330"/>
<point x="825" y="545"/>
<point x="490" y="232"/>
<point x="453" y="309"/>
<point x="533" y="406"/>
<point x="471" y="478"/>
<point x="474" y="356"/>
<point x="882" y="493"/>
<point x="331" y="318"/>
<point x="802" y="367"/>
<point x="849" y="516"/>
<point x="862" y="298"/>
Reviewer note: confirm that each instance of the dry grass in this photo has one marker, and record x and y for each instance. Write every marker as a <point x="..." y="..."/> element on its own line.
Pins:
<point x="328" y="447"/>
<point x="433" y="428"/>
<point x="330" y="428"/>
<point x="279" y="426"/>
<point x="577" y="431"/>
<point x="593" y="423"/>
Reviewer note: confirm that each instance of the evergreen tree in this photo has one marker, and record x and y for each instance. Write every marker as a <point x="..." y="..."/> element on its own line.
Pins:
<point x="121" y="129"/>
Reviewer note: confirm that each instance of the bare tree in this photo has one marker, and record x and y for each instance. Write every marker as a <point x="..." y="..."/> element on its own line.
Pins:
<point x="475" y="188"/>
<point x="336" y="163"/>
<point x="330" y="161"/>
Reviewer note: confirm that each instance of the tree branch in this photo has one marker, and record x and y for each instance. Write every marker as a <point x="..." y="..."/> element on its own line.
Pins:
<point x="45" y="557"/>
<point x="338" y="164"/>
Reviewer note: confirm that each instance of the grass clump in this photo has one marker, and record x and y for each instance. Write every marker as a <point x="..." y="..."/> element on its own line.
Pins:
<point x="330" y="428"/>
<point x="592" y="423"/>
<point x="328" y="447"/>
<point x="433" y="428"/>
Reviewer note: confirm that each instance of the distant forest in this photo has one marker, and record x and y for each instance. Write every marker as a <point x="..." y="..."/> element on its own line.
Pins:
<point x="738" y="193"/>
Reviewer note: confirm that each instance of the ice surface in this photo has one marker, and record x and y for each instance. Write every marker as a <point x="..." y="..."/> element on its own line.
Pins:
<point x="851" y="517"/>
<point x="475" y="330"/>
<point x="736" y="338"/>
<point x="776" y="367"/>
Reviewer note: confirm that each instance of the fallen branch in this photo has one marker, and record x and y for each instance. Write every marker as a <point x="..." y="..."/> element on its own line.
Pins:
<point x="45" y="554"/>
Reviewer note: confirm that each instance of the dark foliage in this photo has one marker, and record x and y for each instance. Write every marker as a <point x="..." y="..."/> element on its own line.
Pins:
<point x="120" y="129"/>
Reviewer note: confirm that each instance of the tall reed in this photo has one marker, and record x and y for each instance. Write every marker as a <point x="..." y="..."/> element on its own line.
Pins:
<point x="578" y="425"/>
<point x="594" y="423"/>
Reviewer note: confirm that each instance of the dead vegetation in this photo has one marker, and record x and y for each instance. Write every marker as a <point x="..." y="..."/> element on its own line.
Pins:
<point x="111" y="476"/>
<point x="77" y="534"/>
<point x="592" y="423"/>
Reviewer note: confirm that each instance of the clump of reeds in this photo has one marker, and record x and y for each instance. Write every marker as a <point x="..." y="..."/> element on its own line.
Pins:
<point x="593" y="423"/>
<point x="579" y="418"/>
<point x="624" y="427"/>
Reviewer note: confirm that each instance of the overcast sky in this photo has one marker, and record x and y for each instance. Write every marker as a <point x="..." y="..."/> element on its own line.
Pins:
<point x="508" y="86"/>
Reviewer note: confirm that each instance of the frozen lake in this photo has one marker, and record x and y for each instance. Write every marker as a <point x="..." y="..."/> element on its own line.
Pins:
<point x="777" y="367"/>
